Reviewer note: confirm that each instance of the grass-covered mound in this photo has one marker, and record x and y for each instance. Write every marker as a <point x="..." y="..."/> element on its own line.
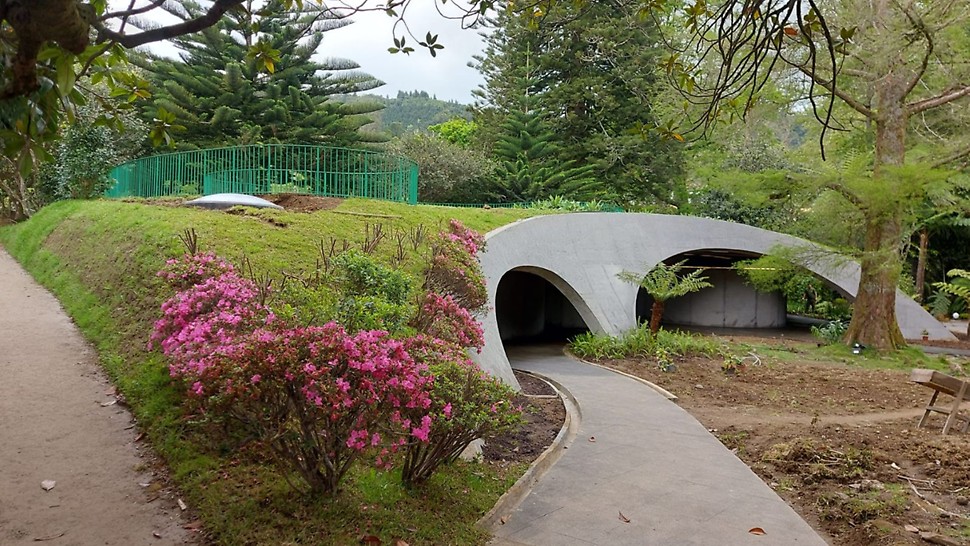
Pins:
<point x="101" y="258"/>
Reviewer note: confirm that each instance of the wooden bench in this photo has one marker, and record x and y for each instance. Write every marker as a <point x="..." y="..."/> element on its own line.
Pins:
<point x="940" y="382"/>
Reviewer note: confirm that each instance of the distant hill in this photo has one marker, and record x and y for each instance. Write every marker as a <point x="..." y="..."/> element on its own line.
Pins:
<point x="410" y="111"/>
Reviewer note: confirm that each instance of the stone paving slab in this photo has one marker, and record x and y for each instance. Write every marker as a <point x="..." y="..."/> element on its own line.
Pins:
<point x="641" y="455"/>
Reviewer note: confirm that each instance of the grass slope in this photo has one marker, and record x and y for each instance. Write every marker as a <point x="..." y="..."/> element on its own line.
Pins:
<point x="100" y="259"/>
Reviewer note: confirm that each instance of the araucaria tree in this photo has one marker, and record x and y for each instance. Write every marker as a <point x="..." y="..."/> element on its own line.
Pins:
<point x="590" y="71"/>
<point x="888" y="64"/>
<point x="251" y="78"/>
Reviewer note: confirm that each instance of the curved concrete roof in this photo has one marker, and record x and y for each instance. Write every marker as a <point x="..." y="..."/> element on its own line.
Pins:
<point x="582" y="253"/>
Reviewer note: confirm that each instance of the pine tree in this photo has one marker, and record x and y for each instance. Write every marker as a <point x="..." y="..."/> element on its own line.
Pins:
<point x="592" y="70"/>
<point x="223" y="95"/>
<point x="530" y="165"/>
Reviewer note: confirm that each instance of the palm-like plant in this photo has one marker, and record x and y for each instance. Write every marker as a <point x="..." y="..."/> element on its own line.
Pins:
<point x="959" y="287"/>
<point x="664" y="282"/>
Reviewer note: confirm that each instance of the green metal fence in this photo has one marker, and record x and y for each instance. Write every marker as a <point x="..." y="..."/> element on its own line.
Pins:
<point x="270" y="168"/>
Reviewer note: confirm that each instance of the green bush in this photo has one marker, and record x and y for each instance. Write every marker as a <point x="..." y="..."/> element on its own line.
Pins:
<point x="466" y="403"/>
<point x="832" y="332"/>
<point x="639" y="343"/>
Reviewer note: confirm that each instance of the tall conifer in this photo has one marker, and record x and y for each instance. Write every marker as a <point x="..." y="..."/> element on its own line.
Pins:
<point x="223" y="95"/>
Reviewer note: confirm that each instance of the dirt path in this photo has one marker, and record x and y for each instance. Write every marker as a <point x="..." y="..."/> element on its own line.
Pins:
<point x="752" y="416"/>
<point x="53" y="426"/>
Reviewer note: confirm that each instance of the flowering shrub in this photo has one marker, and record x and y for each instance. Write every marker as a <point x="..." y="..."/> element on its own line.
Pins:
<point x="205" y="320"/>
<point x="192" y="269"/>
<point x="442" y="317"/>
<point x="319" y="396"/>
<point x="454" y="270"/>
<point x="466" y="404"/>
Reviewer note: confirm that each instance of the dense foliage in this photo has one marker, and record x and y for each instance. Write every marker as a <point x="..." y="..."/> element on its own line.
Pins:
<point x="592" y="71"/>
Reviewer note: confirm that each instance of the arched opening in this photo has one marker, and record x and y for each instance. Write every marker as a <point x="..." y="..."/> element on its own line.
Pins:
<point x="733" y="303"/>
<point x="530" y="308"/>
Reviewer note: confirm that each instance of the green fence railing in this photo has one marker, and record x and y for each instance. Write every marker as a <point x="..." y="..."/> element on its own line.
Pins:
<point x="270" y="168"/>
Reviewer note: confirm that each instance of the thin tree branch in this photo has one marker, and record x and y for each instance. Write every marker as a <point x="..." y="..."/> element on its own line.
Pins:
<point x="841" y="190"/>
<point x="919" y="25"/>
<point x="846" y="98"/>
<point x="957" y="155"/>
<point x="131" y="11"/>
<point x="211" y="17"/>
<point x="939" y="100"/>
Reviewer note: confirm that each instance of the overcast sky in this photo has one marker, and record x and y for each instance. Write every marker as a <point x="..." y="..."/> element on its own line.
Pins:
<point x="367" y="39"/>
<point x="446" y="76"/>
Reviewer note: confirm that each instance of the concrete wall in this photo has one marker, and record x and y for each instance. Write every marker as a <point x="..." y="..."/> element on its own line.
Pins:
<point x="730" y="303"/>
<point x="580" y="254"/>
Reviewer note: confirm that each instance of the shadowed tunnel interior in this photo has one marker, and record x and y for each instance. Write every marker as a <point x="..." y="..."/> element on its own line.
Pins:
<point x="530" y="309"/>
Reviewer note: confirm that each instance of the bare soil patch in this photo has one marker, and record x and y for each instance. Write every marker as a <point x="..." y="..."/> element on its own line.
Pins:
<point x="837" y="441"/>
<point x="543" y="417"/>
<point x="295" y="202"/>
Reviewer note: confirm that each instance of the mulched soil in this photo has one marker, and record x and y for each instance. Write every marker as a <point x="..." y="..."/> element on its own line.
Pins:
<point x="839" y="442"/>
<point x="295" y="202"/>
<point x="543" y="417"/>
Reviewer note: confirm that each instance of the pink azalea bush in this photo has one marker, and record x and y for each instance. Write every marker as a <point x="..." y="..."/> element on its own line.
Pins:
<point x="454" y="270"/>
<point x="466" y="403"/>
<point x="320" y="397"/>
<point x="192" y="269"/>
<point x="206" y="318"/>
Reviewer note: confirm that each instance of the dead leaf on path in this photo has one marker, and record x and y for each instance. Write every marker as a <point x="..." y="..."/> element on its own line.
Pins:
<point x="140" y="436"/>
<point x="623" y="518"/>
<point x="47" y="485"/>
<point x="757" y="531"/>
<point x="911" y="528"/>
<point x="50" y="537"/>
<point x="503" y="519"/>
<point x="193" y="525"/>
<point x="181" y="503"/>
<point x="111" y="403"/>
<point x="592" y="438"/>
<point x="156" y="534"/>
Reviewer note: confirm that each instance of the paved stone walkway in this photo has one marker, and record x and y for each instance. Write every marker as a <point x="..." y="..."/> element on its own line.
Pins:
<point x="53" y="427"/>
<point x="641" y="455"/>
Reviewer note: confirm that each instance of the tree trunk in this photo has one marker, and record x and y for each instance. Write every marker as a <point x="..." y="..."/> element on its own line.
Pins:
<point x="874" y="313"/>
<point x="656" y="313"/>
<point x="924" y="243"/>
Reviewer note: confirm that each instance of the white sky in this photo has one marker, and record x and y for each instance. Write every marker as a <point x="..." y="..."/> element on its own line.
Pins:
<point x="446" y="76"/>
<point x="367" y="39"/>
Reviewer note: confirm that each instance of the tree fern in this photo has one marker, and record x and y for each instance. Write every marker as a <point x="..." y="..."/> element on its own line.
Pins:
<point x="664" y="282"/>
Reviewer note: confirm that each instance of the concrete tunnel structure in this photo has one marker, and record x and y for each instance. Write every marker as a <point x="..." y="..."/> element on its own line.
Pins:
<point x="580" y="255"/>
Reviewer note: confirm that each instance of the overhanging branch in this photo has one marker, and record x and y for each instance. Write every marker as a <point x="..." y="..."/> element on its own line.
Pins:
<point x="939" y="100"/>
<point x="211" y="17"/>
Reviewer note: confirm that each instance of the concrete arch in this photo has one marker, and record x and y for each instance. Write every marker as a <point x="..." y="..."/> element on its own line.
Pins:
<point x="585" y="251"/>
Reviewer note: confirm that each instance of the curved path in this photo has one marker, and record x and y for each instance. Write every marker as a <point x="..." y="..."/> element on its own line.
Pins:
<point x="53" y="426"/>
<point x="639" y="455"/>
